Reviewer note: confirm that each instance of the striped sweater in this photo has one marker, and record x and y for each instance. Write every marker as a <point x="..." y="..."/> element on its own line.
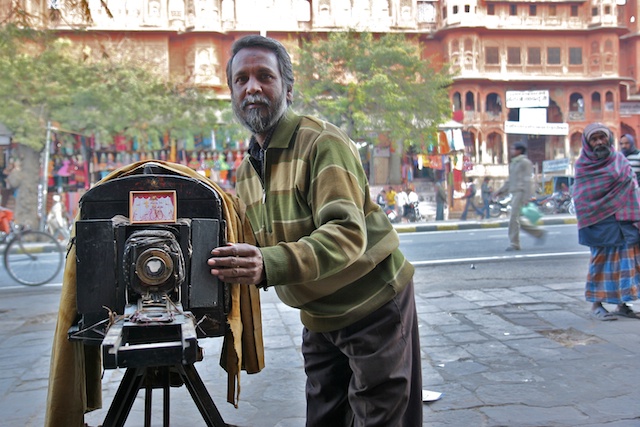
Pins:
<point x="327" y="248"/>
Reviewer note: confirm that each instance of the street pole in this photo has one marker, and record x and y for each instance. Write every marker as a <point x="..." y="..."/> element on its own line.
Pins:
<point x="42" y="208"/>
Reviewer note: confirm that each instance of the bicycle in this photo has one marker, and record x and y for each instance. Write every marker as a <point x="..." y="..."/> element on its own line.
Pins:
<point x="31" y="257"/>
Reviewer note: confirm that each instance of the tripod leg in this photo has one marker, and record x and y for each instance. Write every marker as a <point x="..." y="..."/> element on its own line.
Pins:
<point x="148" y="402"/>
<point x="201" y="396"/>
<point x="165" y="390"/>
<point x="123" y="400"/>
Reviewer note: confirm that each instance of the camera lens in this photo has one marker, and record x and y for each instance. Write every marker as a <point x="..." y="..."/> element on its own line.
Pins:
<point x="154" y="267"/>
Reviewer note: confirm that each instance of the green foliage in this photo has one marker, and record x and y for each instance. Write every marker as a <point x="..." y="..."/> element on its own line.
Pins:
<point x="370" y="85"/>
<point x="44" y="79"/>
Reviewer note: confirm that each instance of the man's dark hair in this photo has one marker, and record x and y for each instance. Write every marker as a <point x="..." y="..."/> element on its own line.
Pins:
<point x="520" y="145"/>
<point x="284" y="60"/>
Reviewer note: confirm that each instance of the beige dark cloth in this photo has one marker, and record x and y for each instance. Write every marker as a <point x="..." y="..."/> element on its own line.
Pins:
<point x="75" y="373"/>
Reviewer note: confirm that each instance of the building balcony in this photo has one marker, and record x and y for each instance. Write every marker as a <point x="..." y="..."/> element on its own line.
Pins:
<point x="576" y="116"/>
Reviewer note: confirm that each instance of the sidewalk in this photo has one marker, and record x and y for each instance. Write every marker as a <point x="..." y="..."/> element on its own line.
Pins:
<point x="457" y="224"/>
<point x="516" y="356"/>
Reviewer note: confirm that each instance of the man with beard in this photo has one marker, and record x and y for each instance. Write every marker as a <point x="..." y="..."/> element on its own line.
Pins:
<point x="605" y="193"/>
<point x="326" y="248"/>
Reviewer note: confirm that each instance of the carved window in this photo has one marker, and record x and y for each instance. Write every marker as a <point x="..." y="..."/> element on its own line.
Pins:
<point x="513" y="55"/>
<point x="608" y="101"/>
<point x="493" y="103"/>
<point x="468" y="45"/>
<point x="491" y="9"/>
<point x="596" y="102"/>
<point x="576" y="103"/>
<point x="491" y="55"/>
<point x="533" y="56"/>
<point x="574" y="10"/>
<point x="575" y="56"/>
<point x="469" y="102"/>
<point x="457" y="101"/>
<point x="553" y="56"/>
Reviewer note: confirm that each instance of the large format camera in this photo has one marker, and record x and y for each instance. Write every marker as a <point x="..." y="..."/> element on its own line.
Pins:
<point x="144" y="289"/>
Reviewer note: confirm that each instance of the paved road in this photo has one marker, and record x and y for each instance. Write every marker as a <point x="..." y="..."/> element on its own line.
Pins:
<point x="518" y="355"/>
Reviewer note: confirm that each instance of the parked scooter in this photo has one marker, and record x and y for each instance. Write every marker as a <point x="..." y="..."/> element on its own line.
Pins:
<point x="414" y="212"/>
<point x="500" y="205"/>
<point x="392" y="215"/>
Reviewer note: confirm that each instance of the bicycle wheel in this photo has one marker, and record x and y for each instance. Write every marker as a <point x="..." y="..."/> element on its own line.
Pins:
<point x="33" y="258"/>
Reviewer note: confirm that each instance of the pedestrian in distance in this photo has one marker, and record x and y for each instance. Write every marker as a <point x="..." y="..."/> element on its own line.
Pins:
<point x="520" y="185"/>
<point x="391" y="198"/>
<point x="326" y="248"/>
<point x="605" y="194"/>
<point x="469" y="196"/>
<point x="441" y="200"/>
<point x="631" y="152"/>
<point x="403" y="203"/>
<point x="486" y="190"/>
<point x="381" y="199"/>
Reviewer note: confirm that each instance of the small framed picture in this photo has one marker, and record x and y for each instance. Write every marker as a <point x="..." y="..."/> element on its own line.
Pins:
<point x="148" y="207"/>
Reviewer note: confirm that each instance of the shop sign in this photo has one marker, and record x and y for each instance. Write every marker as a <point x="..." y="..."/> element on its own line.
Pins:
<point x="555" y="165"/>
<point x="628" y="109"/>
<point x="527" y="98"/>
<point x="519" y="128"/>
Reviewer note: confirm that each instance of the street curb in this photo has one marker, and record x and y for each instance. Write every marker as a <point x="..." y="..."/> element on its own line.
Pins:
<point x="472" y="225"/>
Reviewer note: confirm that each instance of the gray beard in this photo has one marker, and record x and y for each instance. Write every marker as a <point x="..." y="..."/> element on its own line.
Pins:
<point x="602" y="151"/>
<point x="253" y="119"/>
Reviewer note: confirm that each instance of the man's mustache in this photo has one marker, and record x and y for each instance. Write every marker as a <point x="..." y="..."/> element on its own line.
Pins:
<point x="255" y="99"/>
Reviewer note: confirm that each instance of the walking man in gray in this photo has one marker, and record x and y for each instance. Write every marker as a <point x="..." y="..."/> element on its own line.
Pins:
<point x="520" y="186"/>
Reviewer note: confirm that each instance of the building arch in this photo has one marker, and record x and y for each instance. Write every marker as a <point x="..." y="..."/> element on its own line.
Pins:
<point x="495" y="154"/>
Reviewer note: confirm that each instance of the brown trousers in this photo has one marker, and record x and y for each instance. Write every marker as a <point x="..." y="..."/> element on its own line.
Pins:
<point x="369" y="373"/>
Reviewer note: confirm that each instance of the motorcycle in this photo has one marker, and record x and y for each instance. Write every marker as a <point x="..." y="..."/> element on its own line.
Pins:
<point x="546" y="203"/>
<point x="414" y="212"/>
<point x="556" y="203"/>
<point x="392" y="215"/>
<point x="498" y="206"/>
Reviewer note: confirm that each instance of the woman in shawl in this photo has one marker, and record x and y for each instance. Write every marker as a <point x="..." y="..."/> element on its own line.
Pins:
<point x="608" y="211"/>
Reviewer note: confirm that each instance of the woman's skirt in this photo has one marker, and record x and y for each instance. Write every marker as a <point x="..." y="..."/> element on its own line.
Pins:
<point x="614" y="274"/>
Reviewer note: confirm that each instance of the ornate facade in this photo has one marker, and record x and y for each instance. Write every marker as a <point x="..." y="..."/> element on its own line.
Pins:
<point x="583" y="54"/>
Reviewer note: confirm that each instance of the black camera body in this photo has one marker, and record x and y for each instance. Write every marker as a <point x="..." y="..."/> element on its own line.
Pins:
<point x="120" y="261"/>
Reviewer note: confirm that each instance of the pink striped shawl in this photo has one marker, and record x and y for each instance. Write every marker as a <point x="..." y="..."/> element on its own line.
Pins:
<point x="604" y="187"/>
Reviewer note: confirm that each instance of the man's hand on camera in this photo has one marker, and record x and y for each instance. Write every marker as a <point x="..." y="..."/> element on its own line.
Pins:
<point x="237" y="263"/>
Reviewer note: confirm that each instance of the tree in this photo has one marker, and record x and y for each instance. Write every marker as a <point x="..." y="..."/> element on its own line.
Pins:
<point x="372" y="85"/>
<point x="47" y="79"/>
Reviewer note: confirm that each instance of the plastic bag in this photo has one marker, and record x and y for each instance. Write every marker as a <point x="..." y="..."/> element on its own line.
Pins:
<point x="531" y="212"/>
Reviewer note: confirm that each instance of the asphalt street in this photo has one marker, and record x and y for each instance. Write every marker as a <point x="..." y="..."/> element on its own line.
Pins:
<point x="516" y="355"/>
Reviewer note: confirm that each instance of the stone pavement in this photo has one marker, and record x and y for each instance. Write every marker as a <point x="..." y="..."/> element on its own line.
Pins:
<point x="513" y="356"/>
